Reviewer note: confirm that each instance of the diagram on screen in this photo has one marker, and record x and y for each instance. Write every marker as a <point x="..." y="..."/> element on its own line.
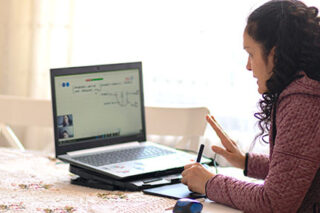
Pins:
<point x="122" y="98"/>
<point x="123" y="93"/>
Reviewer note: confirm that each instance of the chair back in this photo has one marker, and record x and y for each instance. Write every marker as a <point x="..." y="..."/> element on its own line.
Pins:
<point x="176" y="127"/>
<point x="23" y="111"/>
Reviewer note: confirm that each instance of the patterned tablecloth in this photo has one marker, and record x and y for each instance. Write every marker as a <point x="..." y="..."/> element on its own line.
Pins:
<point x="37" y="182"/>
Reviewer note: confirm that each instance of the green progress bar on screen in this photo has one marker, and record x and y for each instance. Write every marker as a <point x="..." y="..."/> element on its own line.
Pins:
<point x="94" y="79"/>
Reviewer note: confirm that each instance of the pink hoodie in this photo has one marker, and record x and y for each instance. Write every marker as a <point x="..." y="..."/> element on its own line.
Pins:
<point x="291" y="172"/>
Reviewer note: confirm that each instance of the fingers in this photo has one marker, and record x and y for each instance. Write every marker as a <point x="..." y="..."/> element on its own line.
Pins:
<point x="185" y="173"/>
<point x="184" y="180"/>
<point x="234" y="143"/>
<point x="196" y="177"/>
<point x="217" y="128"/>
<point x="220" y="151"/>
<point x="189" y="165"/>
<point x="225" y="140"/>
<point x="186" y="176"/>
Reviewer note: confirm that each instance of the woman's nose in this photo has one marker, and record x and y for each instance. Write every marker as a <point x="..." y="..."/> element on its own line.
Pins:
<point x="249" y="64"/>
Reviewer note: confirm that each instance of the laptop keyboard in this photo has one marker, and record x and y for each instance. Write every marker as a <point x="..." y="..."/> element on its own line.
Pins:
<point x="105" y="158"/>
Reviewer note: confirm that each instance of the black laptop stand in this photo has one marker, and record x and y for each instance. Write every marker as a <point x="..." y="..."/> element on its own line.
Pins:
<point x="166" y="186"/>
<point x="96" y="180"/>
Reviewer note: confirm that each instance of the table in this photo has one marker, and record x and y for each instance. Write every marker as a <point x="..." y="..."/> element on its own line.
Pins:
<point x="37" y="182"/>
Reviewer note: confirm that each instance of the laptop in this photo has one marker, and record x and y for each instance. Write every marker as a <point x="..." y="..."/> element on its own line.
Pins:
<point x="99" y="123"/>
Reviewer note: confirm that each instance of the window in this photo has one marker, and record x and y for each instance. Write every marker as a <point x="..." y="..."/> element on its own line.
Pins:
<point x="192" y="51"/>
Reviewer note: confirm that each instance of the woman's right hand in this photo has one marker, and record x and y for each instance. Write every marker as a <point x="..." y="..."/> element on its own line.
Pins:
<point x="231" y="151"/>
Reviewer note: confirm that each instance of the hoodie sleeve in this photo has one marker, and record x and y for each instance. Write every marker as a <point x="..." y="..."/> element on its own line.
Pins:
<point x="257" y="165"/>
<point x="294" y="163"/>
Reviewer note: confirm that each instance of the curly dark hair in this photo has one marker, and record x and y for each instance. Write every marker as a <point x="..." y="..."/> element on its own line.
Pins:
<point x="294" y="30"/>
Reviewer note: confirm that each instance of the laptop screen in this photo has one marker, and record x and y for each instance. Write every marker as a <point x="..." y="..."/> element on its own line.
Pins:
<point x="97" y="105"/>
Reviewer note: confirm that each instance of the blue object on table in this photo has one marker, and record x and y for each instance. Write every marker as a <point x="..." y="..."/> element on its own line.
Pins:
<point x="186" y="205"/>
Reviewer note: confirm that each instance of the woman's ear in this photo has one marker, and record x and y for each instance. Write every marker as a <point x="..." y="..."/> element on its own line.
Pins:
<point x="271" y="56"/>
<point x="273" y="50"/>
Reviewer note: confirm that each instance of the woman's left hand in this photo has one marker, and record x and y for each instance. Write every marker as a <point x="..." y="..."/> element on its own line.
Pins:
<point x="195" y="176"/>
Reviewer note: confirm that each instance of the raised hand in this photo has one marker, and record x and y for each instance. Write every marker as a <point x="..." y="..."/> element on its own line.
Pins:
<point x="231" y="151"/>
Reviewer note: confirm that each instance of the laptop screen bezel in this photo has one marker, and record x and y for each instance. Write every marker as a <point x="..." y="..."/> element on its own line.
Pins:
<point x="94" y="143"/>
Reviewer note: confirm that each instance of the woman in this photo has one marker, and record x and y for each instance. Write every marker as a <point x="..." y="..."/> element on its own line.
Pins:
<point x="282" y="38"/>
<point x="67" y="121"/>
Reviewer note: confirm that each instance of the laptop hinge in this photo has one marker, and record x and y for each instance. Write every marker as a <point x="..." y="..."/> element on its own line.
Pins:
<point x="103" y="148"/>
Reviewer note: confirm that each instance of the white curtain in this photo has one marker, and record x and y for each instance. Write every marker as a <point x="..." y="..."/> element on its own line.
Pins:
<point x="191" y="51"/>
<point x="34" y="36"/>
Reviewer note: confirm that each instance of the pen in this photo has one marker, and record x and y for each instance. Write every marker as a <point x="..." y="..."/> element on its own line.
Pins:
<point x="200" y="153"/>
<point x="174" y="180"/>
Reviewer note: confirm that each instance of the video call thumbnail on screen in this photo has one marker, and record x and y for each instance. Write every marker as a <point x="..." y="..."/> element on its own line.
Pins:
<point x="65" y="126"/>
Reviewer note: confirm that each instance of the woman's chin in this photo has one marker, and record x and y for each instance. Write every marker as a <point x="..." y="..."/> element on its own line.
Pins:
<point x="261" y="90"/>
